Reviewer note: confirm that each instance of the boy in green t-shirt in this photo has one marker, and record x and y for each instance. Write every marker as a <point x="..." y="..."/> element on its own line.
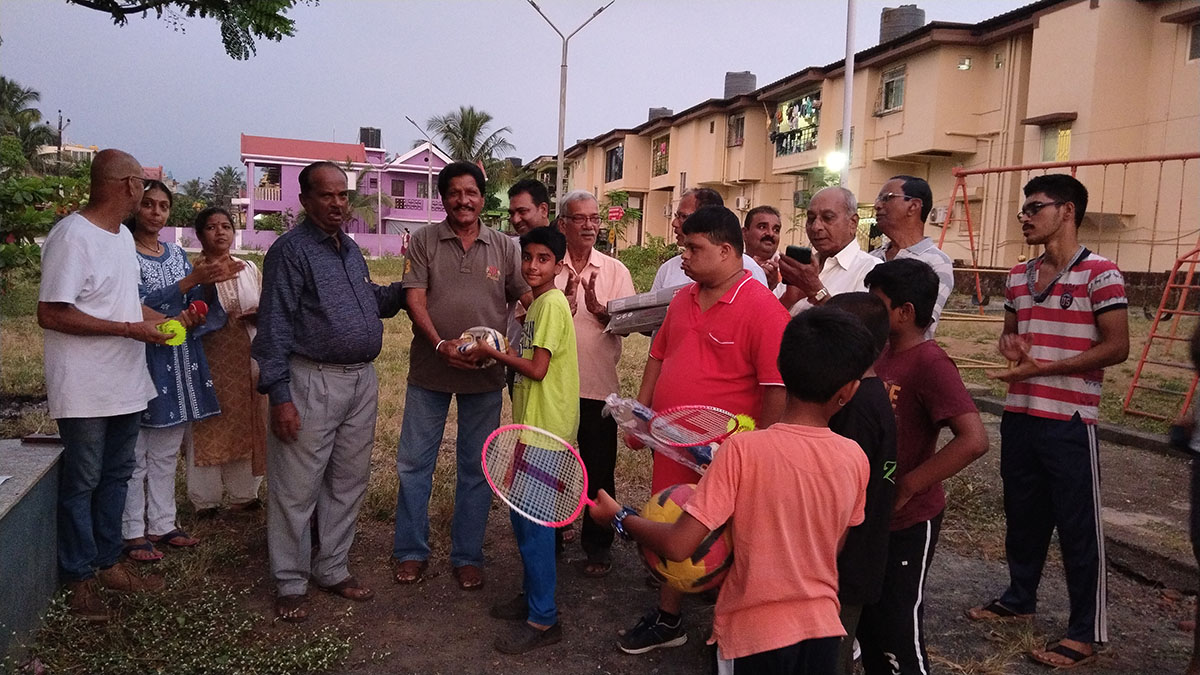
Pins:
<point x="544" y="396"/>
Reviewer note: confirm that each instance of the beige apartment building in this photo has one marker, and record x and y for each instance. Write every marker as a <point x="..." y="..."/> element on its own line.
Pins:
<point x="1054" y="81"/>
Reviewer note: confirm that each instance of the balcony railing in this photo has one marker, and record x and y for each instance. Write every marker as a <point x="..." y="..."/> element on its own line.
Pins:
<point x="415" y="204"/>
<point x="797" y="140"/>
<point x="268" y="194"/>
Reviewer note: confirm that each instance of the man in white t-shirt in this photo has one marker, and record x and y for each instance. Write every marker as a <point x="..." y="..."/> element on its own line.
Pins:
<point x="96" y="377"/>
<point x="760" y="235"/>
<point x="670" y="273"/>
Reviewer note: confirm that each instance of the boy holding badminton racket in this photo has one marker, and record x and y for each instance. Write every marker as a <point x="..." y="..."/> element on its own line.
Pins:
<point x="791" y="492"/>
<point x="544" y="395"/>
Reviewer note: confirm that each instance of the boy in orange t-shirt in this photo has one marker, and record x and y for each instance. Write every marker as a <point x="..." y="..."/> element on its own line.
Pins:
<point x="794" y="490"/>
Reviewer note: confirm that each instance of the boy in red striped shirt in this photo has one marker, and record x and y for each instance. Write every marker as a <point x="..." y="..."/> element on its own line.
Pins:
<point x="1065" y="321"/>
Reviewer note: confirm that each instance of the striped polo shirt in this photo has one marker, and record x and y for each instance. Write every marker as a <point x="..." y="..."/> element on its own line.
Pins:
<point x="1059" y="323"/>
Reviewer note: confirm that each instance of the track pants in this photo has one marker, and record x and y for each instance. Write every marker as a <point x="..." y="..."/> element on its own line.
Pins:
<point x="891" y="631"/>
<point x="1051" y="472"/>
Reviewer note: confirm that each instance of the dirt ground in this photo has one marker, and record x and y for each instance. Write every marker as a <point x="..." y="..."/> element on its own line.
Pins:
<point x="434" y="627"/>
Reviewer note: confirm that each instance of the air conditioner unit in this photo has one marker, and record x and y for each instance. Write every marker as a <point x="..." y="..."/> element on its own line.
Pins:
<point x="937" y="215"/>
<point x="742" y="203"/>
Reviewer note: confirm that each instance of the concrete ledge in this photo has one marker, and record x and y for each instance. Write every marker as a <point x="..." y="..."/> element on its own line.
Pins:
<point x="28" y="541"/>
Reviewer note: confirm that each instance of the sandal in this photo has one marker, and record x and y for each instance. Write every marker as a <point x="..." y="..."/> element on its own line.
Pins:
<point x="1073" y="657"/>
<point x="350" y="589"/>
<point x="290" y="608"/>
<point x="994" y="611"/>
<point x="176" y="537"/>
<point x="597" y="569"/>
<point x="143" y="552"/>
<point x="469" y="577"/>
<point x="408" y="572"/>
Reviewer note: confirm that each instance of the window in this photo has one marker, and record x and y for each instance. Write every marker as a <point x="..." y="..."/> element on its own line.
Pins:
<point x="614" y="163"/>
<point x="373" y="183"/>
<point x="998" y="61"/>
<point x="660" y="151"/>
<point x="796" y="124"/>
<point x="1194" y="47"/>
<point x="736" y="133"/>
<point x="891" y="91"/>
<point x="850" y="150"/>
<point x="964" y="63"/>
<point x="397" y="188"/>
<point x="1056" y="143"/>
<point x="423" y="189"/>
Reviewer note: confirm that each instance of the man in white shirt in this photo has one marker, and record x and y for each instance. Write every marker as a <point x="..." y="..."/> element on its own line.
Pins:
<point x="97" y="381"/>
<point x="670" y="273"/>
<point x="838" y="264"/>
<point x="903" y="205"/>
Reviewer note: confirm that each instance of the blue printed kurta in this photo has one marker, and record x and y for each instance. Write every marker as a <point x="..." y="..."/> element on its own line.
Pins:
<point x="181" y="377"/>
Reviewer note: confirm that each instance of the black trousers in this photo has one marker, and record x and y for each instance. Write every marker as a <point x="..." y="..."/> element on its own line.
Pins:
<point x="1051" y="472"/>
<point x="891" y="631"/>
<point x="598" y="447"/>
<point x="817" y="656"/>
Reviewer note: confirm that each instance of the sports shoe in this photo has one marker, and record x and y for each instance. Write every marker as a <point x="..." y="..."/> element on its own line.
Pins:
<point x="514" y="609"/>
<point x="651" y="633"/>
<point x="522" y="638"/>
<point x="85" y="602"/>
<point x="121" y="577"/>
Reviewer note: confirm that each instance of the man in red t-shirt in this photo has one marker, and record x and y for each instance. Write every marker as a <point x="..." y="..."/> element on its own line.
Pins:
<point x="717" y="346"/>
<point x="927" y="394"/>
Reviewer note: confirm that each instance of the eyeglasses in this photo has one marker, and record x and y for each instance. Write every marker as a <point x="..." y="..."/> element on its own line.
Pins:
<point x="145" y="184"/>
<point x="580" y="218"/>
<point x="887" y="196"/>
<point x="682" y="216"/>
<point x="1031" y="209"/>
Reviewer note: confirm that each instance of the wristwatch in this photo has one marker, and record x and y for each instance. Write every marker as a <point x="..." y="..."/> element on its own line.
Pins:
<point x="618" y="521"/>
<point x="821" y="296"/>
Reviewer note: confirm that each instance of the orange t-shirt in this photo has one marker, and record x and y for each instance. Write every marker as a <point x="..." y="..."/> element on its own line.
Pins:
<point x="792" y="492"/>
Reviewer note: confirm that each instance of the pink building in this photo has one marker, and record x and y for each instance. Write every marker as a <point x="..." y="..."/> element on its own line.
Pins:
<point x="401" y="187"/>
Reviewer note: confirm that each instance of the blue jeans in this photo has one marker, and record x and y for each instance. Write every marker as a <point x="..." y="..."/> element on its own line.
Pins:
<point x="420" y="437"/>
<point x="97" y="462"/>
<point x="536" y="543"/>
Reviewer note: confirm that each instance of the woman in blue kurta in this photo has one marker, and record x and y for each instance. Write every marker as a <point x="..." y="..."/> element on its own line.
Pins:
<point x="168" y="285"/>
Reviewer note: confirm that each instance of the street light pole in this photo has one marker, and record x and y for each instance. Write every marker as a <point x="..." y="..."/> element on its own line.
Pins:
<point x="429" y="177"/>
<point x="61" y="126"/>
<point x="847" y="91"/>
<point x="562" y="88"/>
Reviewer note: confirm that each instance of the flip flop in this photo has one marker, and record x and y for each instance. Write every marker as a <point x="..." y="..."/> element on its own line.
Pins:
<point x="290" y="608"/>
<point x="177" y="538"/>
<point x="1074" y="657"/>
<point x="994" y="611"/>
<point x="143" y="552"/>
<point x="408" y="572"/>
<point x="350" y="589"/>
<point x="469" y="577"/>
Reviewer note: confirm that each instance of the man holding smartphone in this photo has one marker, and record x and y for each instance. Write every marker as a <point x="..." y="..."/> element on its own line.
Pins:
<point x="840" y="264"/>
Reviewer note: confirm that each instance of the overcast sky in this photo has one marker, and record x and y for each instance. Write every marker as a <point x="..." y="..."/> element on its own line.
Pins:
<point x="176" y="99"/>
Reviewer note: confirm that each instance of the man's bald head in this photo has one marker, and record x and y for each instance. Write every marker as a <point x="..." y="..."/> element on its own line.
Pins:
<point x="116" y="178"/>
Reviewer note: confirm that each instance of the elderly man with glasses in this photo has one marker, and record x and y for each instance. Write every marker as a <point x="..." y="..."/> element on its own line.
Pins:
<point x="590" y="279"/>
<point x="96" y="378"/>
<point x="903" y="205"/>
<point x="670" y="273"/>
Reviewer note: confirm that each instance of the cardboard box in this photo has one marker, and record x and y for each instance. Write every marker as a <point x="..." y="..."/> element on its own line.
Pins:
<point x="661" y="297"/>
<point x="641" y="320"/>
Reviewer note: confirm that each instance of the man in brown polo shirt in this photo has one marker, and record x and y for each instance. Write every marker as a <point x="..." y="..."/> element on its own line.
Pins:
<point x="458" y="274"/>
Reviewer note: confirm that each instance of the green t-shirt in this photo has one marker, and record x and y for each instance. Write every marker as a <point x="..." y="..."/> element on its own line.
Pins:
<point x="553" y="403"/>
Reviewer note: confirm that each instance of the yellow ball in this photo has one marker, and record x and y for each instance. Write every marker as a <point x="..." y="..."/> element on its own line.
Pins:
<point x="709" y="563"/>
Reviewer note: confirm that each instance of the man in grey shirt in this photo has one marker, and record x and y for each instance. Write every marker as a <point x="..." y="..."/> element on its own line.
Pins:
<point x="319" y="328"/>
<point x="903" y="205"/>
<point x="459" y="274"/>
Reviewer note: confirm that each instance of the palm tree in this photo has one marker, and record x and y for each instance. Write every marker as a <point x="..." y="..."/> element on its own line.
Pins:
<point x="225" y="185"/>
<point x="464" y="133"/>
<point x="16" y="105"/>
<point x="194" y="190"/>
<point x="33" y="135"/>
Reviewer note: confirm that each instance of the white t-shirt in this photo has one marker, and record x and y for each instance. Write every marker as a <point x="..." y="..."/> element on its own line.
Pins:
<point x="843" y="272"/>
<point x="670" y="273"/>
<point x="96" y="271"/>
